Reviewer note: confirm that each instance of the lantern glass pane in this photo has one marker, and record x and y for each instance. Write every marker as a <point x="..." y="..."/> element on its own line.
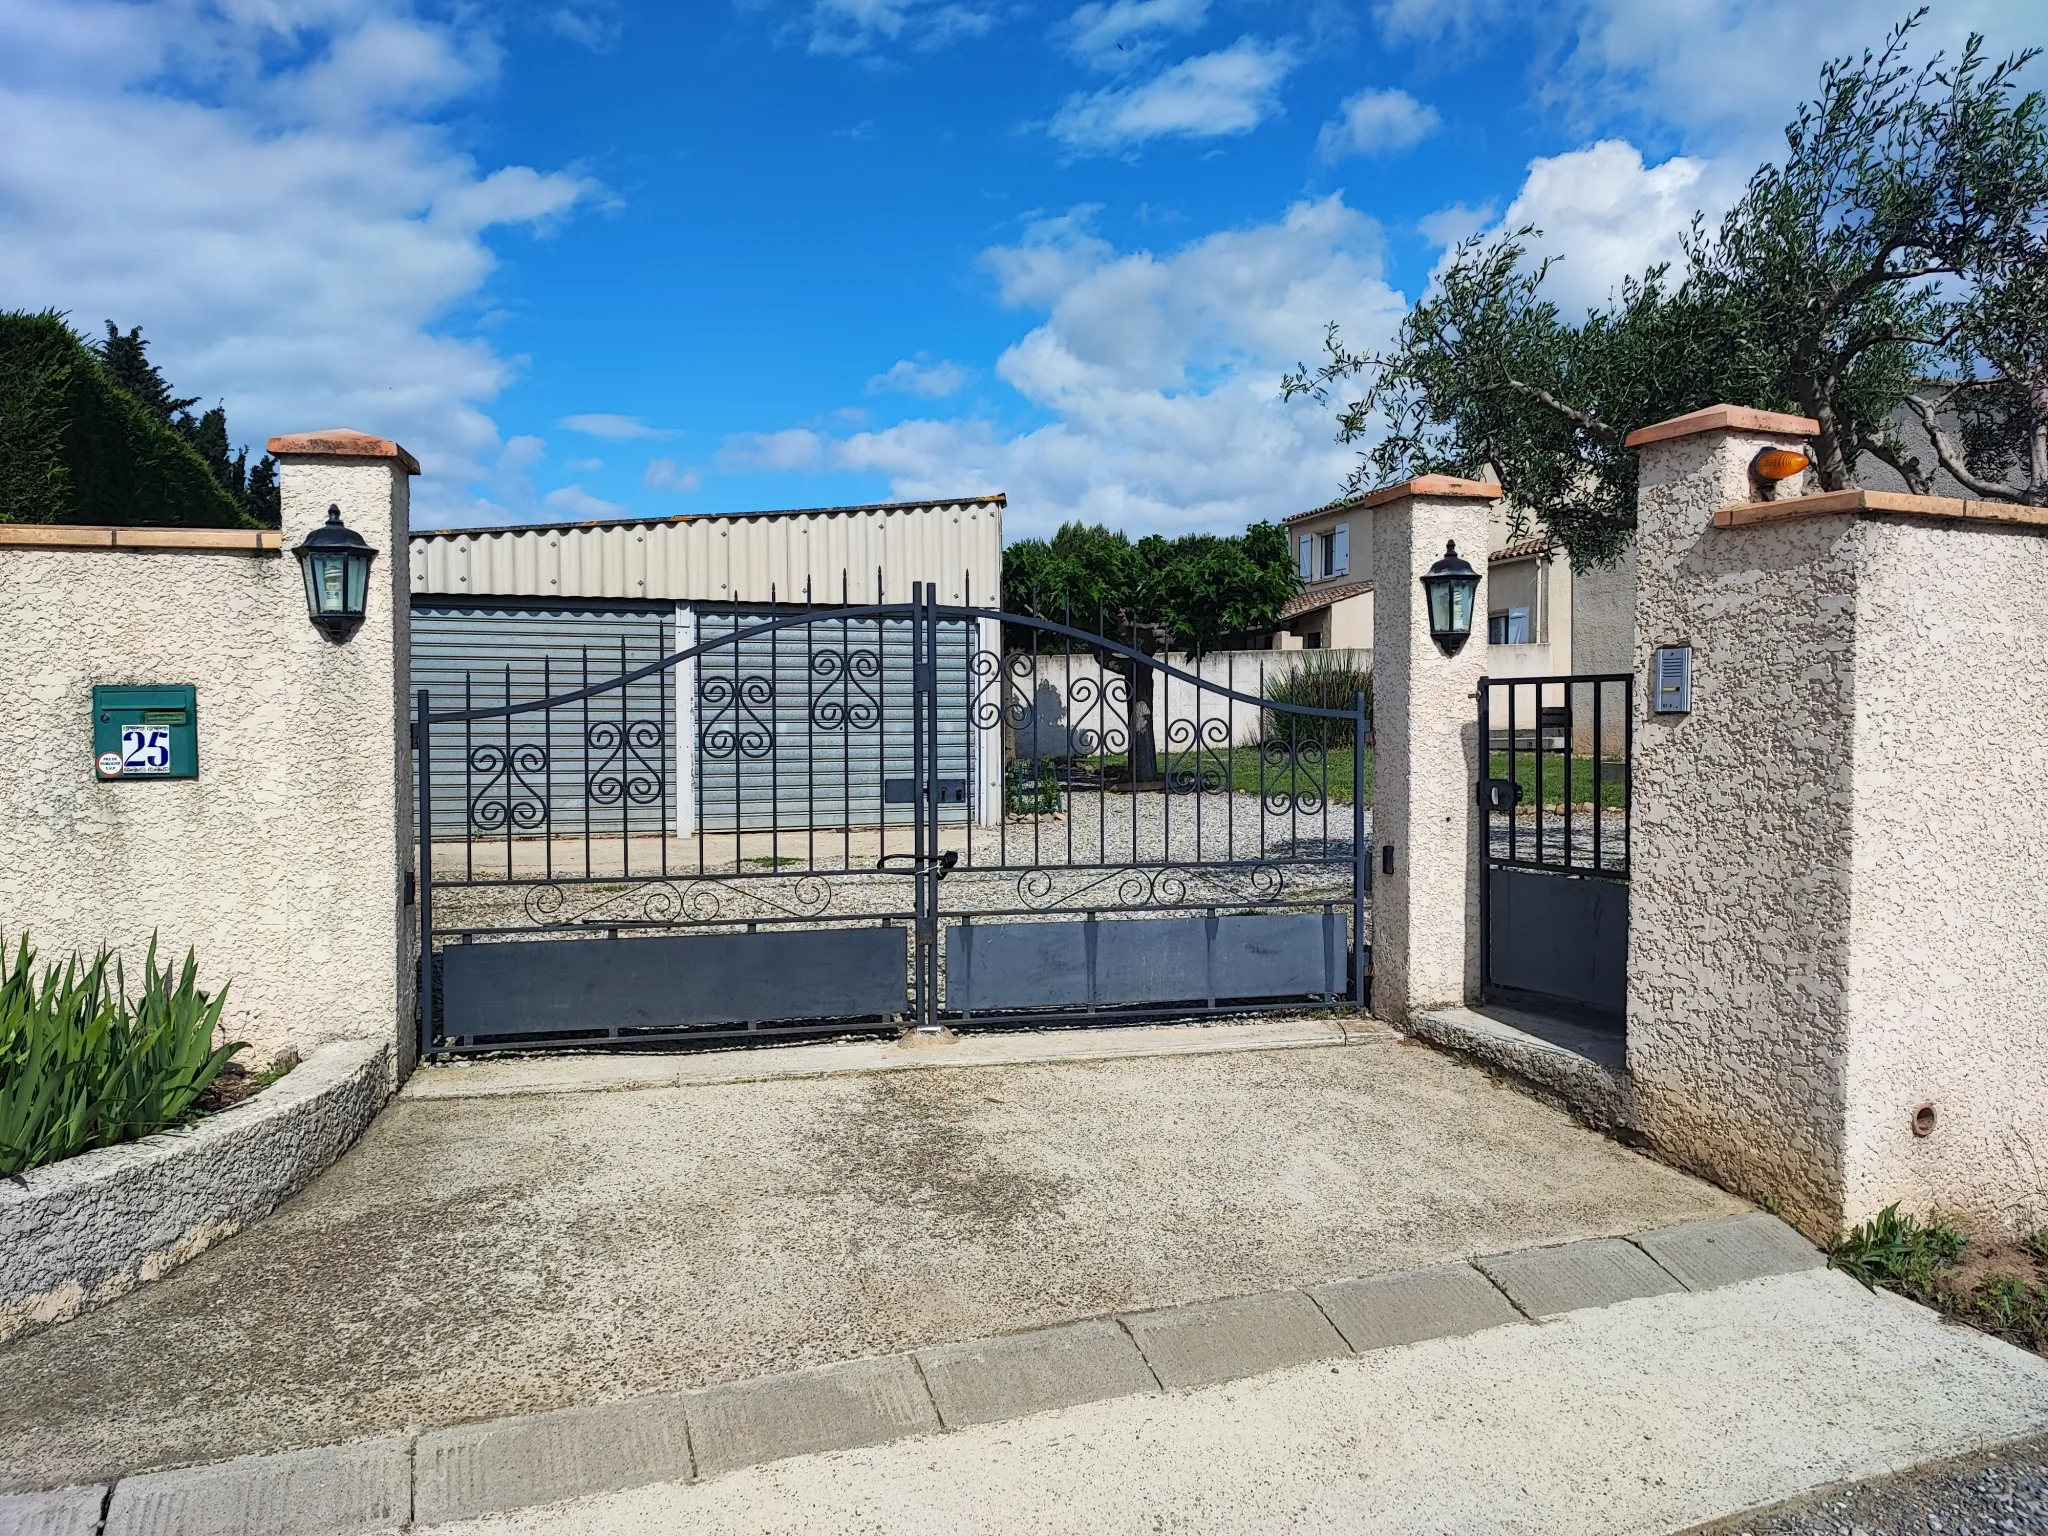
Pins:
<point x="358" y="582"/>
<point x="1462" y="591"/>
<point x="1439" y="607"/>
<point x="333" y="592"/>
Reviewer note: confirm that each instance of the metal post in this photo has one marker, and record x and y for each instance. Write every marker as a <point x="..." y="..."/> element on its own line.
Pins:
<point x="922" y="836"/>
<point x="424" y="746"/>
<point x="930" y="769"/>
<point x="1361" y="854"/>
<point x="1486" y="827"/>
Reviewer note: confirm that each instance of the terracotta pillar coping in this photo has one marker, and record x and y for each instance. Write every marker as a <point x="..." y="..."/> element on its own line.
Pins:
<point x="1723" y="418"/>
<point x="1432" y="485"/>
<point x="341" y="443"/>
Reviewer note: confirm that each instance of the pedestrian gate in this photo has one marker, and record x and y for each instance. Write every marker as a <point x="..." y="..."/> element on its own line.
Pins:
<point x="874" y="817"/>
<point x="1554" y="784"/>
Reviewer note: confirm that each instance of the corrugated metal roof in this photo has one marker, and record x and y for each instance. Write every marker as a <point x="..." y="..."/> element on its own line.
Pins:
<point x="740" y="557"/>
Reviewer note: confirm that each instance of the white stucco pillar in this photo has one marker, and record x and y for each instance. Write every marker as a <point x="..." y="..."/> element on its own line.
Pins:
<point x="1427" y="829"/>
<point x="356" y="950"/>
<point x="1835" y="947"/>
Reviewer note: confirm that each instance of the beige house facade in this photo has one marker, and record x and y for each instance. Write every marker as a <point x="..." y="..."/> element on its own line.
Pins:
<point x="1543" y="618"/>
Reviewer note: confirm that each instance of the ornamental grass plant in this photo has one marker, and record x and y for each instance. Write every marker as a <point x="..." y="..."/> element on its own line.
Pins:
<point x="83" y="1066"/>
<point x="1319" y="681"/>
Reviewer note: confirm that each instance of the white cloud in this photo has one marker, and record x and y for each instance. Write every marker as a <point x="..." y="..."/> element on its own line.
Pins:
<point x="1447" y="226"/>
<point x="259" y="188"/>
<point x="1609" y="216"/>
<point x="1377" y="123"/>
<point x="584" y="466"/>
<point x="595" y="26"/>
<point x="577" y="502"/>
<point x="1159" y="375"/>
<point x="857" y="26"/>
<point x="1735" y="70"/>
<point x="1211" y="95"/>
<point x="1115" y="34"/>
<point x="605" y="424"/>
<point x="1741" y="68"/>
<point x="914" y="376"/>
<point x="793" y="448"/>
<point x="668" y="475"/>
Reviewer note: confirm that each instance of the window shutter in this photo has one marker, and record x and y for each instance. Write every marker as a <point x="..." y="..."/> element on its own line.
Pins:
<point x="1308" y="557"/>
<point x="1340" y="551"/>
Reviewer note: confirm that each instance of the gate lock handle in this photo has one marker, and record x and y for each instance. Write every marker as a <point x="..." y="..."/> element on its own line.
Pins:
<point x="1499" y="794"/>
<point x="945" y="861"/>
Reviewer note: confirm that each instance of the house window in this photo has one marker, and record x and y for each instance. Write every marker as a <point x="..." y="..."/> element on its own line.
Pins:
<point x="1509" y="628"/>
<point x="1340" y="550"/>
<point x="1326" y="554"/>
<point x="1308" y="547"/>
<point x="1312" y="641"/>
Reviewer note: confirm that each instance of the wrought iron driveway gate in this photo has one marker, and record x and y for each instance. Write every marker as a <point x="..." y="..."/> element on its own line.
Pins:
<point x="880" y="816"/>
<point x="1555" y="786"/>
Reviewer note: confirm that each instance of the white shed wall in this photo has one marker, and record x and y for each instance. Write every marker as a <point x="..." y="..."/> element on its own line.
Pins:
<point x="742" y="558"/>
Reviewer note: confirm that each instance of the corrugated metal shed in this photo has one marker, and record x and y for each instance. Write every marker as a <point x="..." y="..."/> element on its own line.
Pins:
<point x="736" y="557"/>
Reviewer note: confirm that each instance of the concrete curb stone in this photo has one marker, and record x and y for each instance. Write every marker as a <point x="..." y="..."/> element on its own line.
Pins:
<point x="334" y="1490"/>
<point x="509" y="1464"/>
<point x="833" y="1408"/>
<point x="1545" y="1282"/>
<point x="82" y="1232"/>
<point x="483" y="1469"/>
<point x="1730" y="1249"/>
<point x="1025" y="1373"/>
<point x="1408" y="1308"/>
<point x="1211" y="1341"/>
<point x="61" y="1512"/>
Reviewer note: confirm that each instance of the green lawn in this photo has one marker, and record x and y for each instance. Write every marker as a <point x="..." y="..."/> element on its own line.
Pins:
<point x="1249" y="774"/>
<point x="1613" y="786"/>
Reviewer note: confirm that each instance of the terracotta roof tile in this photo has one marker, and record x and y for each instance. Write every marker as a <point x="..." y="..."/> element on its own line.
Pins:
<point x="1310" y="601"/>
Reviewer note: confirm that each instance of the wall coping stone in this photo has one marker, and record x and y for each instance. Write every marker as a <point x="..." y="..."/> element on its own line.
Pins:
<point x="1723" y="418"/>
<point x="340" y="443"/>
<point x="1865" y="503"/>
<point x="78" y="1233"/>
<point x="1432" y="485"/>
<point x="208" y="541"/>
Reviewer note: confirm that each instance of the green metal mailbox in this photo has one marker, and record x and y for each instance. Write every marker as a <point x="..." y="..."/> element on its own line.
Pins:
<point x="145" y="733"/>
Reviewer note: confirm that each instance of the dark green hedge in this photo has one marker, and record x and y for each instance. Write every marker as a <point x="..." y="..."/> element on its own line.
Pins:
<point x="77" y="448"/>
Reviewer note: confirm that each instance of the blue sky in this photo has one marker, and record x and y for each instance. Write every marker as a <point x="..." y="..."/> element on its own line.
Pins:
<point x="586" y="257"/>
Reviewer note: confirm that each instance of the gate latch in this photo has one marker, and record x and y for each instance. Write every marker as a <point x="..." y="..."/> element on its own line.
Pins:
<point x="1499" y="794"/>
<point x="904" y="791"/>
<point x="939" y="863"/>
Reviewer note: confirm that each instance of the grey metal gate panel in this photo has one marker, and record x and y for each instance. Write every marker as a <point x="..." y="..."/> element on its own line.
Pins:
<point x="995" y="967"/>
<point x="588" y="986"/>
<point x="1562" y="937"/>
<point x="500" y="774"/>
<point x="806" y="726"/>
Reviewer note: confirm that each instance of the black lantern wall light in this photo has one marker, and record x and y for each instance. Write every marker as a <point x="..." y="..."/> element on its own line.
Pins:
<point x="1451" y="587"/>
<point x="336" y="565"/>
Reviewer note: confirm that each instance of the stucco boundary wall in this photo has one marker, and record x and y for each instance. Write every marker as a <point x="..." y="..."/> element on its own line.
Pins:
<point x="282" y="867"/>
<point x="86" y="1231"/>
<point x="1835" y="914"/>
<point x="1064" y="692"/>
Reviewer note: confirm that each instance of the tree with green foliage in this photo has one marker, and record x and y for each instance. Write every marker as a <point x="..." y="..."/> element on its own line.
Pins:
<point x="125" y="355"/>
<point x="76" y="447"/>
<point x="1158" y="594"/>
<point x="1891" y="264"/>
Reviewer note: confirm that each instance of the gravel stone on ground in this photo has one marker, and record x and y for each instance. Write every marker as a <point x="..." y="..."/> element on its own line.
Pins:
<point x="2000" y="1492"/>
